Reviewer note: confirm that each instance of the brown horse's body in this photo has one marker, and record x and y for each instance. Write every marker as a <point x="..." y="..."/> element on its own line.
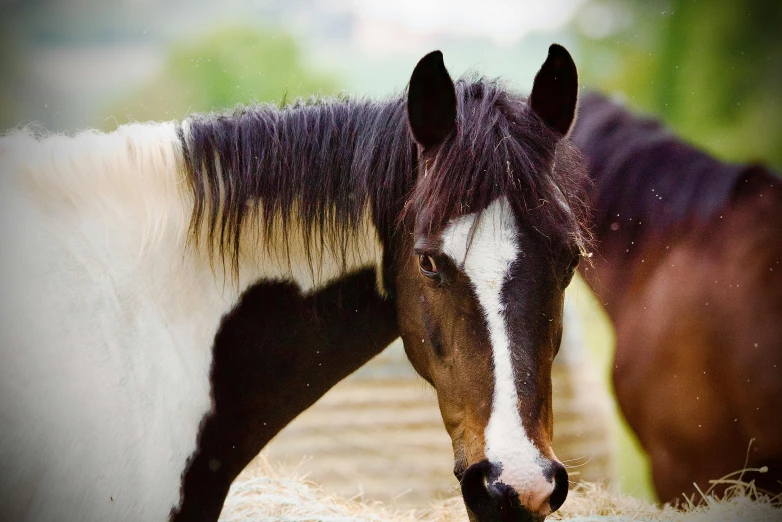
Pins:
<point x="689" y="267"/>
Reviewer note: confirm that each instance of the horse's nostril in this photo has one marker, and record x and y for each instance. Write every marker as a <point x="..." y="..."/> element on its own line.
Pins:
<point x="559" y="494"/>
<point x="488" y="500"/>
<point x="506" y="501"/>
<point x="476" y="496"/>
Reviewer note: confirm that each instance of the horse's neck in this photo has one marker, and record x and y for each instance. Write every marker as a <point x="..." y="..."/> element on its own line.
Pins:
<point x="104" y="290"/>
<point x="635" y="231"/>
<point x="125" y="195"/>
<point x="323" y="184"/>
<point x="648" y="188"/>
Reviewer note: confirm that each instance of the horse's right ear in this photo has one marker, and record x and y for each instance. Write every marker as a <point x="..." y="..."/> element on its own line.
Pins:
<point x="431" y="101"/>
<point x="555" y="91"/>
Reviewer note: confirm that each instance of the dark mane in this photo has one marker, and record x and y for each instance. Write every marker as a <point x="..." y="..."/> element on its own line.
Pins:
<point x="646" y="179"/>
<point x="327" y="161"/>
<point x="318" y="161"/>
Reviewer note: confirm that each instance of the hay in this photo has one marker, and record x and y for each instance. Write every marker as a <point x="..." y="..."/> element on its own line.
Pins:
<point x="266" y="494"/>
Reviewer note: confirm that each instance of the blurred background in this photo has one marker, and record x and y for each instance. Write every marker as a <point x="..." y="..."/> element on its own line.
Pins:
<point x="710" y="70"/>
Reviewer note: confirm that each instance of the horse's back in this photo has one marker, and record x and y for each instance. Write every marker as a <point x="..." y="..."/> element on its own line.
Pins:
<point x="78" y="392"/>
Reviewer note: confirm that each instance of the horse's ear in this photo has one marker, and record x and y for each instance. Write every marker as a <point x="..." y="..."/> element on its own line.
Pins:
<point x="431" y="101"/>
<point x="555" y="91"/>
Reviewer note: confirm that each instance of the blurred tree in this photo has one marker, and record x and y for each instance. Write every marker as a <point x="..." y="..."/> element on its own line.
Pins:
<point x="17" y="87"/>
<point x="230" y="66"/>
<point x="712" y="71"/>
<point x="10" y="72"/>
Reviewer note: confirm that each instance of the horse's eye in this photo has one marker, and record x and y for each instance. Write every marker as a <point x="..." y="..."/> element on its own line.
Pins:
<point x="428" y="266"/>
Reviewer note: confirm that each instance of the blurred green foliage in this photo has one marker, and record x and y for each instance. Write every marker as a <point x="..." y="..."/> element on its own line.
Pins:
<point x="234" y="65"/>
<point x="10" y="70"/>
<point x="17" y="88"/>
<point x="711" y="70"/>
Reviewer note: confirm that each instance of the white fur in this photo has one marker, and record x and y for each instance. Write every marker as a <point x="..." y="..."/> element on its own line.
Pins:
<point x="493" y="249"/>
<point x="107" y="322"/>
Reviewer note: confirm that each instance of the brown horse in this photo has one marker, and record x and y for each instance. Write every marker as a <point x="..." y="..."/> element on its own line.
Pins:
<point x="689" y="267"/>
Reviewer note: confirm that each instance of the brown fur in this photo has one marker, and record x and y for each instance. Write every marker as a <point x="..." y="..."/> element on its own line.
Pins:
<point x="707" y="317"/>
<point x="464" y="392"/>
<point x="697" y="308"/>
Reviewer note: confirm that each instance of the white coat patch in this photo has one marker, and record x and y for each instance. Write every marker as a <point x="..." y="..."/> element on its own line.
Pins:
<point x="107" y="322"/>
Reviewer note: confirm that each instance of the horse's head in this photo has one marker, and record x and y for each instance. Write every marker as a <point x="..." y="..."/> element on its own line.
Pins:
<point x="493" y="240"/>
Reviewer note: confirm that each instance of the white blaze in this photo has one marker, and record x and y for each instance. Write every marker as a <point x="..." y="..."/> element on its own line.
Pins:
<point x="493" y="249"/>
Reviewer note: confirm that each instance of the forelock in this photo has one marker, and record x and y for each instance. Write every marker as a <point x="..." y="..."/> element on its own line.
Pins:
<point x="501" y="148"/>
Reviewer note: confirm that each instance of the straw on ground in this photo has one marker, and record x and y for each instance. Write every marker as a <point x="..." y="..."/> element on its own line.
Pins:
<point x="266" y="494"/>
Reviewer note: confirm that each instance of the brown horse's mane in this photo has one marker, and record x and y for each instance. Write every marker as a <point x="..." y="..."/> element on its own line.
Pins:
<point x="326" y="162"/>
<point x="646" y="180"/>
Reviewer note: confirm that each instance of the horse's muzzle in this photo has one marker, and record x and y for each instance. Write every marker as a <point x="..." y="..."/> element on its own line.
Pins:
<point x="488" y="500"/>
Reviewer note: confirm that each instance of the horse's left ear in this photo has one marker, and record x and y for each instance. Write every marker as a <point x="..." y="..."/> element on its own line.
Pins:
<point x="555" y="91"/>
<point x="431" y="101"/>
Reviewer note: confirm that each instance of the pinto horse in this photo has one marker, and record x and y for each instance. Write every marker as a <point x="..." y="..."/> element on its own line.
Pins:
<point x="175" y="294"/>
<point x="689" y="267"/>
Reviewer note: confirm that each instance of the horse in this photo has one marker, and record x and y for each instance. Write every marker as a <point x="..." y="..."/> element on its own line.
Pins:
<point x="688" y="265"/>
<point x="175" y="293"/>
